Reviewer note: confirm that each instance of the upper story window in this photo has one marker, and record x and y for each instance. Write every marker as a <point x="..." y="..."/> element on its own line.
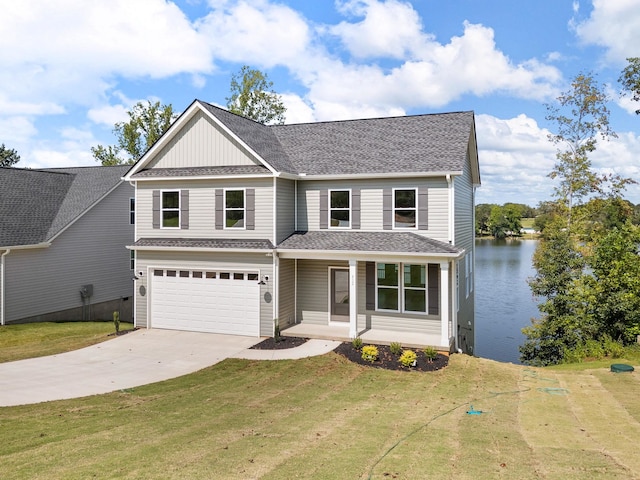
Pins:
<point x="405" y="208"/>
<point x="171" y="209"/>
<point x="340" y="209"/>
<point x="234" y="209"/>
<point x="132" y="211"/>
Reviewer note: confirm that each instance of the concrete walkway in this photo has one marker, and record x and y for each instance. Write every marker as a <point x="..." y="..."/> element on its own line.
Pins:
<point x="138" y="358"/>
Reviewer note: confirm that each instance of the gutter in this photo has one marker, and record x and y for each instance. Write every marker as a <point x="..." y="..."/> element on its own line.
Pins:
<point x="2" y="290"/>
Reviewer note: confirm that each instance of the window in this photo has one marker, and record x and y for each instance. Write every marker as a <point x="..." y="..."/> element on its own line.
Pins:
<point x="339" y="209"/>
<point x="234" y="209"/>
<point x="404" y="208"/>
<point x="171" y="209"/>
<point x="132" y="259"/>
<point x="132" y="211"/>
<point x="402" y="288"/>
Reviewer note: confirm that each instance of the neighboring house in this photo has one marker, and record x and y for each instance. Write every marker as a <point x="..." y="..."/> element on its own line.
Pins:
<point x="364" y="224"/>
<point x="63" y="234"/>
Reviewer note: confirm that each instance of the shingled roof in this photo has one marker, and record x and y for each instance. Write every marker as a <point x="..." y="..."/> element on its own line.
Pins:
<point x="35" y="205"/>
<point x="408" y="144"/>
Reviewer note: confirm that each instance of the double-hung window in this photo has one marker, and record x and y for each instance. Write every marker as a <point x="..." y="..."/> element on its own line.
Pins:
<point x="234" y="209"/>
<point x="171" y="209"/>
<point x="405" y="208"/>
<point x="401" y="287"/>
<point x="132" y="211"/>
<point x="340" y="208"/>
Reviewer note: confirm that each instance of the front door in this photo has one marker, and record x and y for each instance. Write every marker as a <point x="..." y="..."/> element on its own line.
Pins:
<point x="339" y="295"/>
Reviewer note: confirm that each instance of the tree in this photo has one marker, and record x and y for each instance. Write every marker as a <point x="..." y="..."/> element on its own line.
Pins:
<point x="252" y="97"/>
<point x="147" y="122"/>
<point x="483" y="211"/>
<point x="581" y="116"/>
<point x="8" y="156"/>
<point x="630" y="80"/>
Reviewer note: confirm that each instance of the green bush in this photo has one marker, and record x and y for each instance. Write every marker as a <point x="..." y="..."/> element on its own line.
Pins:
<point x="612" y="348"/>
<point x="408" y="358"/>
<point x="431" y="353"/>
<point x="370" y="353"/>
<point x="395" y="348"/>
<point x="356" y="343"/>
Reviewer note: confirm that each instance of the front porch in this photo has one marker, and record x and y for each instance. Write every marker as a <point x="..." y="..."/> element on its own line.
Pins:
<point x="375" y="336"/>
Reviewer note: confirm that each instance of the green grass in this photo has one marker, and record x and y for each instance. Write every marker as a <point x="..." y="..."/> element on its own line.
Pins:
<point x="326" y="418"/>
<point x="39" y="339"/>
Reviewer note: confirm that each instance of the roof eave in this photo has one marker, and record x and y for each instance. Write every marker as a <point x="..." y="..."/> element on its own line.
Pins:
<point x="180" y="248"/>
<point x="353" y="176"/>
<point x="363" y="255"/>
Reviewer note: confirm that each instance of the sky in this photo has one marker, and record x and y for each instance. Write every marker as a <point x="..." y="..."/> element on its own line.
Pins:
<point x="70" y="69"/>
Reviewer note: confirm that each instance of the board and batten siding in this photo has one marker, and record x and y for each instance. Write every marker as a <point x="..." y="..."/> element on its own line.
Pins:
<point x="216" y="261"/>
<point x="371" y="203"/>
<point x="91" y="251"/>
<point x="285" y="208"/>
<point x="201" y="143"/>
<point x="286" y="292"/>
<point x="202" y="199"/>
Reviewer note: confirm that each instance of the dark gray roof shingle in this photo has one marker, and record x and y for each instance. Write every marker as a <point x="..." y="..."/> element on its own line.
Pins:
<point x="35" y="205"/>
<point x="248" y="244"/>
<point x="389" y="242"/>
<point x="203" y="171"/>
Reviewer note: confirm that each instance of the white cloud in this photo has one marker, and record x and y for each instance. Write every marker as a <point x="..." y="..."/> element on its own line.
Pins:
<point x="614" y="25"/>
<point x="108" y="115"/>
<point x="298" y="111"/>
<point x="15" y="131"/>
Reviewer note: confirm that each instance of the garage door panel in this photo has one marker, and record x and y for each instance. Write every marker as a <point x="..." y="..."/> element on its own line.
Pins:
<point x="214" y="305"/>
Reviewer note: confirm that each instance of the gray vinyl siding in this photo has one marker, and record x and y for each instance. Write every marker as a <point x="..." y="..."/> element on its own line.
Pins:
<point x="313" y="290"/>
<point x="286" y="292"/>
<point x="202" y="199"/>
<point x="201" y="143"/>
<point x="146" y="260"/>
<point x="91" y="251"/>
<point x="371" y="203"/>
<point x="285" y="208"/>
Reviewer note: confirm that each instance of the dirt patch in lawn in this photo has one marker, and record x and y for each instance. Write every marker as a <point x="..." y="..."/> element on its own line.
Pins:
<point x="389" y="361"/>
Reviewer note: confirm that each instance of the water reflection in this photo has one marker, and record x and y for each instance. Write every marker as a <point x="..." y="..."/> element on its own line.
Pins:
<point x="504" y="303"/>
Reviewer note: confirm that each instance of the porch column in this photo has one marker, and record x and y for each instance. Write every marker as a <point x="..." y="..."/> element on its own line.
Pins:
<point x="445" y="285"/>
<point x="353" y="298"/>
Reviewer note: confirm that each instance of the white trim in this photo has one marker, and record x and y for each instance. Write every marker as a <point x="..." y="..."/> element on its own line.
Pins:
<point x="353" y="298"/>
<point x="244" y="208"/>
<point x="355" y="176"/>
<point x="198" y="249"/>
<point x="2" y="284"/>
<point x="162" y="192"/>
<point x="348" y="209"/>
<point x="451" y="221"/>
<point x="360" y="255"/>
<point x="444" y="303"/>
<point x="274" y="221"/>
<point x="204" y="177"/>
<point x="394" y="208"/>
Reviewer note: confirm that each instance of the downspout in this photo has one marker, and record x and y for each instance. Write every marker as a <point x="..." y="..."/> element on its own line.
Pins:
<point x="3" y="290"/>
<point x="453" y="284"/>
<point x="451" y="232"/>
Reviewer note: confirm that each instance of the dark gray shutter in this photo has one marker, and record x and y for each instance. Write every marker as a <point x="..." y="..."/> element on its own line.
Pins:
<point x="156" y="209"/>
<point x="184" y="209"/>
<point x="250" y="207"/>
<point x="423" y="209"/>
<point x="371" y="285"/>
<point x="433" y="281"/>
<point x="219" y="209"/>
<point x="324" y="209"/>
<point x="387" y="209"/>
<point x="355" y="208"/>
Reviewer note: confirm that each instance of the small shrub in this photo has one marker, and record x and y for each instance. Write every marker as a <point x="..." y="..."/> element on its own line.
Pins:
<point x="395" y="348"/>
<point x="116" y="321"/>
<point x="276" y="331"/>
<point x="431" y="353"/>
<point x="370" y="353"/>
<point x="356" y="343"/>
<point x="408" y="358"/>
<point x="593" y="349"/>
<point x="612" y="348"/>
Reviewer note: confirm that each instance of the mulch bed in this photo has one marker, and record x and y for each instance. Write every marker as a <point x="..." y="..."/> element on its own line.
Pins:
<point x="389" y="361"/>
<point x="284" y="342"/>
<point x="386" y="359"/>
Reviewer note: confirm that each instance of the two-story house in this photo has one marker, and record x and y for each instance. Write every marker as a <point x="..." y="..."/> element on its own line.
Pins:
<point x="364" y="227"/>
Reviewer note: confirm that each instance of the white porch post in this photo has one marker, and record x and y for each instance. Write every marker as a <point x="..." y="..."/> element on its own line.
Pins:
<point x="353" y="298"/>
<point x="445" y="285"/>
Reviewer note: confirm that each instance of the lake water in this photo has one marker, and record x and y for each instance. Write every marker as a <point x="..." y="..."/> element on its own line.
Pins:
<point x="504" y="303"/>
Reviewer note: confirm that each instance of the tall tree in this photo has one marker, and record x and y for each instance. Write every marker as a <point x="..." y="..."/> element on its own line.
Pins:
<point x="252" y="96"/>
<point x="581" y="116"/>
<point x="630" y="79"/>
<point x="147" y="122"/>
<point x="8" y="156"/>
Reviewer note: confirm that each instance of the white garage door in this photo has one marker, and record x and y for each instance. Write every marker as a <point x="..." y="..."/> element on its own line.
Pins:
<point x="224" y="301"/>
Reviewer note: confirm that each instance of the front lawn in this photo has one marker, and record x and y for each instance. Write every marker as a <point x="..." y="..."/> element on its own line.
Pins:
<point x="39" y="339"/>
<point x="327" y="418"/>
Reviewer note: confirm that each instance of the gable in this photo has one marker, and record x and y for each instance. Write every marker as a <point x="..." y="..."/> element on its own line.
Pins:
<point x="201" y="143"/>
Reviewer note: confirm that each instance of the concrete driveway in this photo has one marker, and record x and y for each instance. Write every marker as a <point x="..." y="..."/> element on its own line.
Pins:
<point x="137" y="358"/>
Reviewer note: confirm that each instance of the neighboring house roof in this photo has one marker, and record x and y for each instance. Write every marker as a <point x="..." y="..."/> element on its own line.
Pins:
<point x="415" y="144"/>
<point x="206" y="243"/>
<point x="394" y="242"/>
<point x="36" y="205"/>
